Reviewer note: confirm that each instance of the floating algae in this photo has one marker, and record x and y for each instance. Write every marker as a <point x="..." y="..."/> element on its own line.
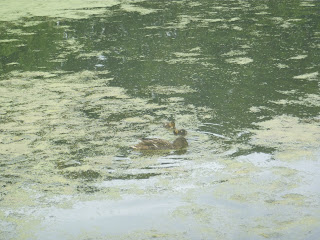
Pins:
<point x="292" y="139"/>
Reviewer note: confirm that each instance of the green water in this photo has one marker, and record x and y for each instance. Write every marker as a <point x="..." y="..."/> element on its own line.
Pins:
<point x="82" y="81"/>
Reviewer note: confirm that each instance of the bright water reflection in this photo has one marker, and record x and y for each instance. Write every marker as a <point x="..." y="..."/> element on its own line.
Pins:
<point x="80" y="85"/>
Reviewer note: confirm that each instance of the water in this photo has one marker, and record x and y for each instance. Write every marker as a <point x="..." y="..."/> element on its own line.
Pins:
<point x="82" y="81"/>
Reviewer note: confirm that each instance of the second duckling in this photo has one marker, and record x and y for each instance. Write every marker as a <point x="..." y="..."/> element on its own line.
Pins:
<point x="181" y="132"/>
<point x="169" y="125"/>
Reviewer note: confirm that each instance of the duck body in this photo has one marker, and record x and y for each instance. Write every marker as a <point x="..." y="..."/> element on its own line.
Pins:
<point x="160" y="144"/>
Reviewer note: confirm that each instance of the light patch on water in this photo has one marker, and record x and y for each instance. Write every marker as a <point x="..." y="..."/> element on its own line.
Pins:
<point x="307" y="4"/>
<point x="281" y="65"/>
<point x="277" y="19"/>
<point x="76" y="9"/>
<point x="259" y="159"/>
<point x="262" y="13"/>
<point x="240" y="60"/>
<point x="138" y="9"/>
<point x="168" y="90"/>
<point x="209" y="22"/>
<point x="237" y="28"/>
<point x="183" y="22"/>
<point x="92" y="54"/>
<point x="308" y="100"/>
<point x="212" y="20"/>
<point x="287" y="92"/>
<point x="13" y="64"/>
<point x="186" y="57"/>
<point x="293" y="139"/>
<point x="175" y="99"/>
<point x="255" y="109"/>
<point x="182" y="54"/>
<point x="234" y="19"/>
<point x="308" y="76"/>
<point x="261" y="7"/>
<point x="196" y="49"/>
<point x="143" y="119"/>
<point x="298" y="57"/>
<point x="192" y="4"/>
<point x="245" y="46"/>
<point x="8" y="40"/>
<point x="284" y="23"/>
<point x="189" y="60"/>
<point x="234" y="53"/>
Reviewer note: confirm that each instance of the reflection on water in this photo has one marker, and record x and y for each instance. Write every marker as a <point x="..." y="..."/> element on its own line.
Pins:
<point x="80" y="85"/>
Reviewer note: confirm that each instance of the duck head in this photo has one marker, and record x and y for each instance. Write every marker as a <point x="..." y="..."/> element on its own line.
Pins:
<point x="181" y="132"/>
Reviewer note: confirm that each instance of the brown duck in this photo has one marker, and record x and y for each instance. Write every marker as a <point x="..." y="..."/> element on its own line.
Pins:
<point x="159" y="144"/>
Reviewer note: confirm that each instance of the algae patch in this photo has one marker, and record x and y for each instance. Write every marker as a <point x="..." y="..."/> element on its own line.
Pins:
<point x="11" y="10"/>
<point x="240" y="60"/>
<point x="72" y="129"/>
<point x="308" y="76"/>
<point x="168" y="90"/>
<point x="292" y="138"/>
<point x="138" y="9"/>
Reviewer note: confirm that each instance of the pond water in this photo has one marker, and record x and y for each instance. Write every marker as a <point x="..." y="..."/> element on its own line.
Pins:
<point x="82" y="81"/>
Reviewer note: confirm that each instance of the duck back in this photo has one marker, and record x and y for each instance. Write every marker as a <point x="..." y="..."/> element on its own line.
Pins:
<point x="153" y="144"/>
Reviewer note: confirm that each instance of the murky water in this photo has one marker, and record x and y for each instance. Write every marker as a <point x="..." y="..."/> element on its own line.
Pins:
<point x="83" y="81"/>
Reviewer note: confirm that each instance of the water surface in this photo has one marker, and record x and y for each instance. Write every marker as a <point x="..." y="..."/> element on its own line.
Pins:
<point x="83" y="81"/>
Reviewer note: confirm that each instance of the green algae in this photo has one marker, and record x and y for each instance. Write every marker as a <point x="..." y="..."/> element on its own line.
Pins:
<point x="8" y="40"/>
<point x="240" y="60"/>
<point x="73" y="122"/>
<point x="168" y="90"/>
<point x="138" y="9"/>
<point x="308" y="100"/>
<point x="308" y="76"/>
<point x="12" y="11"/>
<point x="292" y="138"/>
<point x="235" y="53"/>
<point x="298" y="57"/>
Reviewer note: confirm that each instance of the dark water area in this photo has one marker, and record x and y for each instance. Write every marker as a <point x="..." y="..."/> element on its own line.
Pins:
<point x="81" y="82"/>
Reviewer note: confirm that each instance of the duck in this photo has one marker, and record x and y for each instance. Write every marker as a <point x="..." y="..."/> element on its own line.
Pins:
<point x="181" y="132"/>
<point x="170" y="125"/>
<point x="160" y="144"/>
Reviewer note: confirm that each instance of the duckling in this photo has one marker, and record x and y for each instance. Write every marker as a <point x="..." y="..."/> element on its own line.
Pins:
<point x="181" y="132"/>
<point x="171" y="125"/>
<point x="160" y="144"/>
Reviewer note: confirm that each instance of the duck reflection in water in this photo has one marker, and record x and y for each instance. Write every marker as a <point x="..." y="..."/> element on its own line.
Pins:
<point x="160" y="144"/>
